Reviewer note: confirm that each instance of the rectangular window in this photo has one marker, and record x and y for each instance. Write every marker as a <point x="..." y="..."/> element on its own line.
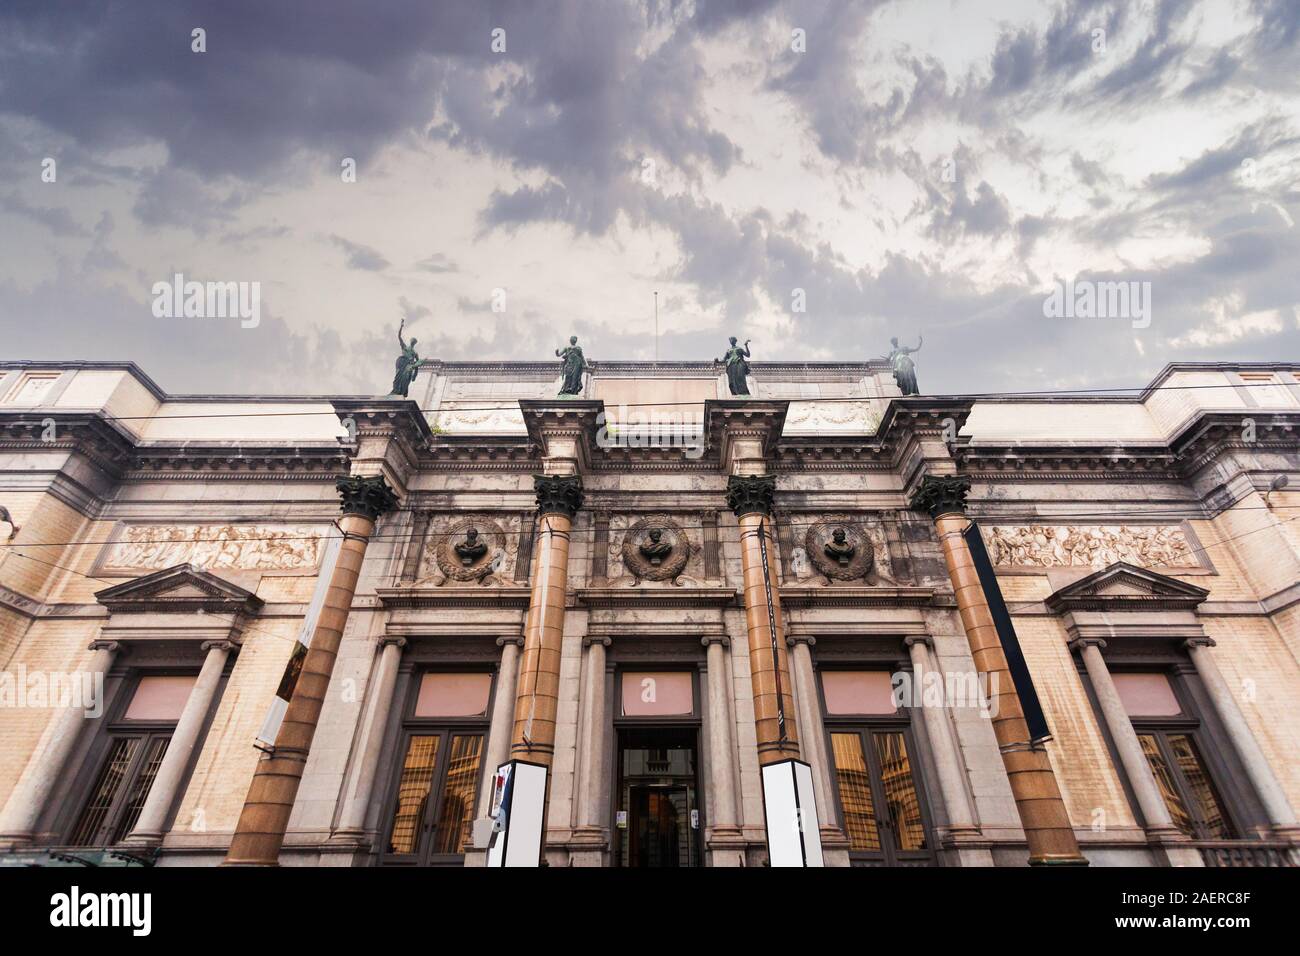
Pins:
<point x="453" y="695"/>
<point x="855" y="792"/>
<point x="658" y="694"/>
<point x="137" y="744"/>
<point x="858" y="692"/>
<point x="878" y="792"/>
<point x="1167" y="733"/>
<point x="1185" y="784"/>
<point x="433" y="798"/>
<point x="413" y="792"/>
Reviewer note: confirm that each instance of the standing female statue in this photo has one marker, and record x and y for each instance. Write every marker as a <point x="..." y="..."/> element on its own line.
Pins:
<point x="408" y="364"/>
<point x="572" y="365"/>
<point x="737" y="367"/>
<point x="904" y="368"/>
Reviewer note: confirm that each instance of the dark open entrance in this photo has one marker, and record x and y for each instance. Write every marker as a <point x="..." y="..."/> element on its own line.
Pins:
<point x="659" y="819"/>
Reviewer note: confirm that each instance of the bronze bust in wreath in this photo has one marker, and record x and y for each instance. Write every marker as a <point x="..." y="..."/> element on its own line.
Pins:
<point x="471" y="550"/>
<point x="839" y="550"/>
<point x="656" y="548"/>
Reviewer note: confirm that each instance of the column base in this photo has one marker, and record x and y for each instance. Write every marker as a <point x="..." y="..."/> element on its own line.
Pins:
<point x="147" y="839"/>
<point x="1059" y="860"/>
<point x="16" y="841"/>
<point x="355" y="839"/>
<point x="726" y="845"/>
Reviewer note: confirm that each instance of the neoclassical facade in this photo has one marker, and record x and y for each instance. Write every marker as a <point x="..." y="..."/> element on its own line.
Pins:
<point x="306" y="630"/>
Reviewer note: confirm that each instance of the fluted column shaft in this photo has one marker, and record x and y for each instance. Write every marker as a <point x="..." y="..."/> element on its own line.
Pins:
<point x="148" y="829"/>
<point x="23" y="809"/>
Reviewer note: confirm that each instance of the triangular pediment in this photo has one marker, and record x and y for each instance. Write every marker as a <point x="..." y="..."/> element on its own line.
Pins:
<point x="180" y="588"/>
<point x="1121" y="587"/>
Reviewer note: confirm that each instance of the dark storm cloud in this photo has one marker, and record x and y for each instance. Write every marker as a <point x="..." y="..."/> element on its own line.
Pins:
<point x="577" y="106"/>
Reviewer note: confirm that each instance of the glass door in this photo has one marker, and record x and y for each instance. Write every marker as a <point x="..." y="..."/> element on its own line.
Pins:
<point x="880" y="798"/>
<point x="658" y="819"/>
<point x="434" y="805"/>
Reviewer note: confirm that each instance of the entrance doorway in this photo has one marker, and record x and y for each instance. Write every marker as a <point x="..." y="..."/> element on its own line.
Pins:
<point x="658" y="816"/>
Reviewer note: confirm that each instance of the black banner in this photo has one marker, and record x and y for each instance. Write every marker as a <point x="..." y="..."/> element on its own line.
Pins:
<point x="1020" y="676"/>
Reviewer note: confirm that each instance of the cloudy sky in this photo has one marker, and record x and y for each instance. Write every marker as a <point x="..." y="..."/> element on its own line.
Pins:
<point x="928" y="167"/>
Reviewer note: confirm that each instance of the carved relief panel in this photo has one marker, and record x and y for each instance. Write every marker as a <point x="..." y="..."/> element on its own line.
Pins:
<point x="1091" y="546"/>
<point x="236" y="547"/>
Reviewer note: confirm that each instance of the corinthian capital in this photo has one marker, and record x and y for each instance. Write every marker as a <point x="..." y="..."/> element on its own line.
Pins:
<point x="368" y="496"/>
<point x="941" y="495"/>
<point x="558" y="494"/>
<point x="751" y="494"/>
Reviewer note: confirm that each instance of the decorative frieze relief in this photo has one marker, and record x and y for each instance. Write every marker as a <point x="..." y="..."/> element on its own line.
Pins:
<point x="463" y="549"/>
<point x="835" y="415"/>
<point x="483" y="417"/>
<point x="238" y="547"/>
<point x="1090" y="546"/>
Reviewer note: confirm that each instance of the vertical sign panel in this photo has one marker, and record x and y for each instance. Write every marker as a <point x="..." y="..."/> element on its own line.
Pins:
<point x="1020" y="676"/>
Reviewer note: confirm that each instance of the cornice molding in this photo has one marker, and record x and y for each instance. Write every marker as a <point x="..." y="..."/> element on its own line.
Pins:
<point x="838" y="596"/>
<point x="659" y="597"/>
<point x="471" y="597"/>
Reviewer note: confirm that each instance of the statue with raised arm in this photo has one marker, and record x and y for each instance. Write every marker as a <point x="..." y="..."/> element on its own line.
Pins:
<point x="572" y="367"/>
<point x="737" y="367"/>
<point x="904" y="368"/>
<point x="408" y="364"/>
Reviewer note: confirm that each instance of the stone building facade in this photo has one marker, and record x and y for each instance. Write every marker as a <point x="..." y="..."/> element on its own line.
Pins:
<point x="655" y="588"/>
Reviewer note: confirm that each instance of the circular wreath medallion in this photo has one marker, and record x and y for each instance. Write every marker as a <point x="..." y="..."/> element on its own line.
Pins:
<point x="453" y="565"/>
<point x="671" y="564"/>
<point x="840" y="563"/>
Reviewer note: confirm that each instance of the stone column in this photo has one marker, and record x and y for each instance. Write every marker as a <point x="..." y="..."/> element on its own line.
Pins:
<point x="961" y="815"/>
<point x="1271" y="795"/>
<point x="1160" y="829"/>
<point x="1029" y="771"/>
<point x="750" y="497"/>
<point x="261" y="828"/>
<point x="814" y="750"/>
<point x="503" y="710"/>
<point x="18" y="822"/>
<point x="726" y="839"/>
<point x="379" y="704"/>
<point x="592" y="809"/>
<point x="558" y="499"/>
<point x="148" y="829"/>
